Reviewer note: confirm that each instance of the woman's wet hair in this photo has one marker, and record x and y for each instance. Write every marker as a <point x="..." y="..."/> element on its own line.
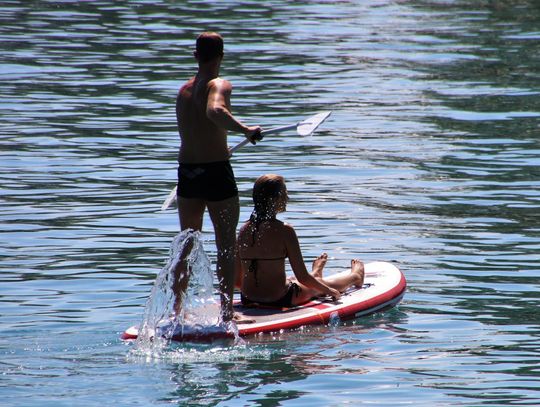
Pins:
<point x="266" y="189"/>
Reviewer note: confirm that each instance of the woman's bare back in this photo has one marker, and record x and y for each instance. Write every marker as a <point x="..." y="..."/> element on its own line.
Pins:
<point x="262" y="255"/>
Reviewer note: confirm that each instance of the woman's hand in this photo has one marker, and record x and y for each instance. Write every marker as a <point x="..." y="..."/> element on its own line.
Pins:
<point x="335" y="294"/>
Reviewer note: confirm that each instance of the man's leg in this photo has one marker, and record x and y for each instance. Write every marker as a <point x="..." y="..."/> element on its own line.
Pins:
<point x="190" y="213"/>
<point x="181" y="274"/>
<point x="224" y="215"/>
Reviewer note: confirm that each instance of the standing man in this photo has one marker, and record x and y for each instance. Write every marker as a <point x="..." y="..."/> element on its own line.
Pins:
<point x="205" y="175"/>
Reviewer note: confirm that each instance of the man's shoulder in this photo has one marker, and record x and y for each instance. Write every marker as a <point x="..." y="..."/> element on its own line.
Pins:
<point x="220" y="84"/>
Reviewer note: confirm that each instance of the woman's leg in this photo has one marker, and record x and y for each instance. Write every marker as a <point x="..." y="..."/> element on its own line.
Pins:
<point x="340" y="282"/>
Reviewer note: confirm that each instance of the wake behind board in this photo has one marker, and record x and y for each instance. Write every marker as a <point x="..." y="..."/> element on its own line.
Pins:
<point x="384" y="286"/>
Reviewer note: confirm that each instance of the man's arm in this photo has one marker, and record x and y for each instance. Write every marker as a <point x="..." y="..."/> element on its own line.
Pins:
<point x="218" y="110"/>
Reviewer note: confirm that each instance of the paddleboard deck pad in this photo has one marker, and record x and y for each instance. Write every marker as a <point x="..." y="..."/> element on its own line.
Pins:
<point x="384" y="286"/>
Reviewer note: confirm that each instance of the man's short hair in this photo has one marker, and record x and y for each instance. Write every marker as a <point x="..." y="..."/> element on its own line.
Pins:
<point x="209" y="46"/>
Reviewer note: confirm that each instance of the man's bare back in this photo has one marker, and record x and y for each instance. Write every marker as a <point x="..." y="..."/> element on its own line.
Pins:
<point x="202" y="141"/>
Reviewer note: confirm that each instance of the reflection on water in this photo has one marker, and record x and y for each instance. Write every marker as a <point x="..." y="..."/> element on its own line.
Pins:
<point x="430" y="159"/>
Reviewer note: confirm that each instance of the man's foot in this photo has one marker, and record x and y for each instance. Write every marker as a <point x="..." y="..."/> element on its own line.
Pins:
<point x="318" y="265"/>
<point x="236" y="318"/>
<point x="357" y="267"/>
<point x="240" y="319"/>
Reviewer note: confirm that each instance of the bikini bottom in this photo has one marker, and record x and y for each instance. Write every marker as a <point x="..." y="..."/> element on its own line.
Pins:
<point x="284" y="302"/>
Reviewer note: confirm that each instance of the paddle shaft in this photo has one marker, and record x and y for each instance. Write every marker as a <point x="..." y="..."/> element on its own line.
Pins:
<point x="172" y="195"/>
<point x="311" y="123"/>
<point x="264" y="133"/>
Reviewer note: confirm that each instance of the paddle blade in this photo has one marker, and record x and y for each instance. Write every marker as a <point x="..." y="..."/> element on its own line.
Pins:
<point x="170" y="200"/>
<point x="308" y="126"/>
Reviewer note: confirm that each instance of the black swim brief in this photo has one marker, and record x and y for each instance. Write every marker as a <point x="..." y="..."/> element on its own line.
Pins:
<point x="209" y="181"/>
<point x="284" y="302"/>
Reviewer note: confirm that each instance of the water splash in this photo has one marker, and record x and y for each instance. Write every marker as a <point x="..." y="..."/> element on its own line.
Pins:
<point x="334" y="320"/>
<point x="200" y="308"/>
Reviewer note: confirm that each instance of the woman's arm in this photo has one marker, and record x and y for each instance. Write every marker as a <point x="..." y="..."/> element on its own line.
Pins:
<point x="299" y="267"/>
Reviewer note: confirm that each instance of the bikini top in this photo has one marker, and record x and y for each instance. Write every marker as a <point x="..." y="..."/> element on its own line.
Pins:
<point x="253" y="265"/>
<point x="264" y="258"/>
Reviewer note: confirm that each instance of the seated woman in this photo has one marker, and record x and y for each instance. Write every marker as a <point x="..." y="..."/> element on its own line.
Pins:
<point x="264" y="243"/>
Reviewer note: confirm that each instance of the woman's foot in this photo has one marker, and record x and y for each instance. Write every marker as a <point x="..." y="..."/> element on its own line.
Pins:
<point x="318" y="265"/>
<point x="357" y="267"/>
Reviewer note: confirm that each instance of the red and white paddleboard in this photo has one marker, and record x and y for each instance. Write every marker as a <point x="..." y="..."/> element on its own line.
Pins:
<point x="384" y="286"/>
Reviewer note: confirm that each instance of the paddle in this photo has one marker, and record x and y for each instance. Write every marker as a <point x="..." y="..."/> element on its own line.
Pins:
<point x="304" y="128"/>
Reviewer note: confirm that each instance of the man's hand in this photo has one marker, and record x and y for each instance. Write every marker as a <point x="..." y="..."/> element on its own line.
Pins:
<point x="254" y="134"/>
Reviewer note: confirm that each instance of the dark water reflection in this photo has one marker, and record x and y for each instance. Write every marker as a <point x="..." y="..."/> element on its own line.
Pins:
<point x="430" y="159"/>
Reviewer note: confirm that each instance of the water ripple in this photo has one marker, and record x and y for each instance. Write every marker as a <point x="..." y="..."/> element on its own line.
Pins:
<point x="429" y="160"/>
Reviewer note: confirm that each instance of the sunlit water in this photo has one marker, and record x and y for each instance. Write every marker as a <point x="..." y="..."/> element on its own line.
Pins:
<point x="429" y="160"/>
